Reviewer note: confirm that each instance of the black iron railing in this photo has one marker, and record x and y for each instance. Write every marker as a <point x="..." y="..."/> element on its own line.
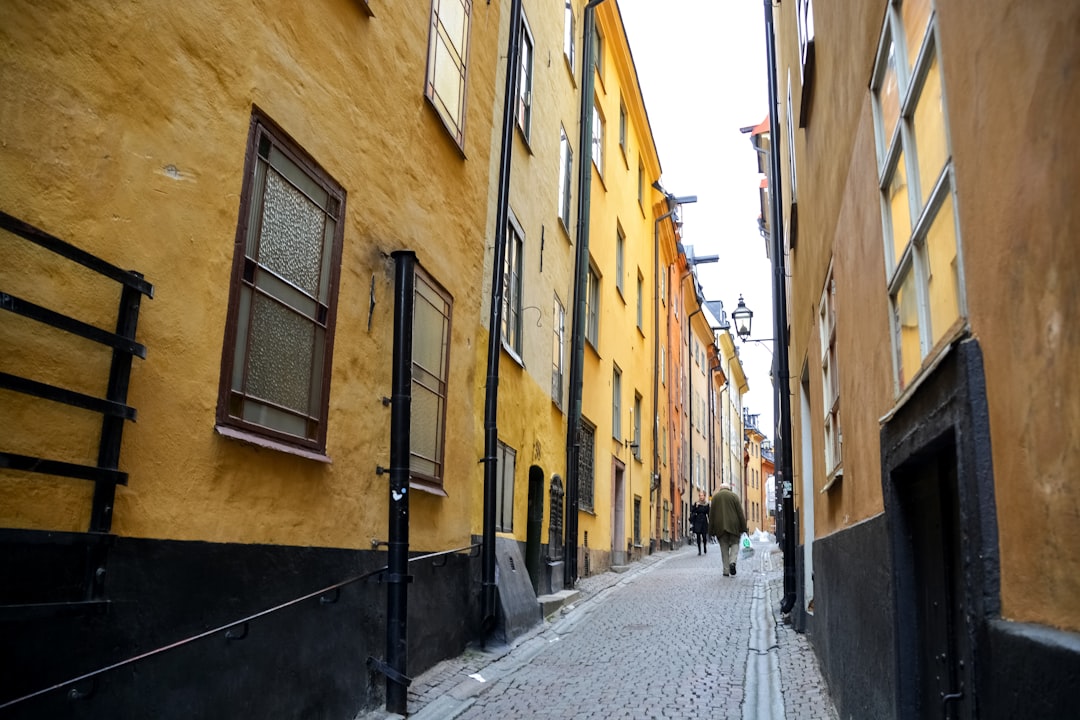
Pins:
<point x="236" y="630"/>
<point x="113" y="408"/>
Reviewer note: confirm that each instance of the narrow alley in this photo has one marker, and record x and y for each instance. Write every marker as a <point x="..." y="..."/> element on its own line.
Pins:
<point x="713" y="647"/>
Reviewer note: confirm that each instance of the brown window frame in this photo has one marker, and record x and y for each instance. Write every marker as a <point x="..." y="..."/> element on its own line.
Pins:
<point x="433" y="482"/>
<point x="265" y="136"/>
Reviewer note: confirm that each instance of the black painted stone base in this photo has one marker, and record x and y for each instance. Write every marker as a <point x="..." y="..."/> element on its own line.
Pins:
<point x="1032" y="672"/>
<point x="852" y="628"/>
<point x="306" y="661"/>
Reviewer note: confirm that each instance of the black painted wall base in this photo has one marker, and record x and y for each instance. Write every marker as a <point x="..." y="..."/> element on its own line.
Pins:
<point x="852" y="628"/>
<point x="1032" y="672"/>
<point x="306" y="661"/>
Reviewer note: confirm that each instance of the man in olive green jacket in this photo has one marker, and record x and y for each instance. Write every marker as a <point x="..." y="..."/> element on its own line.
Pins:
<point x="727" y="522"/>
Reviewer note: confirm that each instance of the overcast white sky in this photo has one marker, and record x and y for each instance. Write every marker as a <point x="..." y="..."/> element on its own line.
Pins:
<point x="701" y="65"/>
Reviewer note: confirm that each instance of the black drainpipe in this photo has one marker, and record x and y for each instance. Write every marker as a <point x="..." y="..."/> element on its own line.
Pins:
<point x="581" y="268"/>
<point x="491" y="395"/>
<point x="783" y="381"/>
<point x="397" y="563"/>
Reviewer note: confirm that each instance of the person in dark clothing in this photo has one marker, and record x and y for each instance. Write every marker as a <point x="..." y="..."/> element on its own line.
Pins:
<point x="727" y="521"/>
<point x="699" y="522"/>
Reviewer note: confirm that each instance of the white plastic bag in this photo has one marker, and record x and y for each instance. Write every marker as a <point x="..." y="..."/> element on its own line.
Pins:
<point x="746" y="550"/>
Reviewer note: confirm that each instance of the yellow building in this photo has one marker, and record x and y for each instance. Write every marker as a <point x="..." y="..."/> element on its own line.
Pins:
<point x="617" y="402"/>
<point x="262" y="168"/>
<point x="928" y="170"/>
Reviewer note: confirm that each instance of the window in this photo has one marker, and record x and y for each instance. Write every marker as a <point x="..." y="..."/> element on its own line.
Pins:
<point x="512" y="291"/>
<point x="805" y="19"/>
<point x="622" y="126"/>
<point x="448" y="55"/>
<point x="637" y="425"/>
<point x="506" y="461"/>
<point x="640" y="301"/>
<point x="598" y="52"/>
<point x="431" y="370"/>
<point x="586" y="446"/>
<point x="830" y="382"/>
<point x="592" y="307"/>
<point x="566" y="162"/>
<point x="663" y="285"/>
<point x="276" y="357"/>
<point x="663" y="365"/>
<point x="620" y="259"/>
<point x="568" y="35"/>
<point x="558" y="344"/>
<point x="616" y="403"/>
<point x="525" y="86"/>
<point x="922" y="257"/>
<point x="637" y="520"/>
<point x="598" y="139"/>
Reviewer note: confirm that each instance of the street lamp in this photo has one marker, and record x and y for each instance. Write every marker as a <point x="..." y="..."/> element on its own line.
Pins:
<point x="743" y="317"/>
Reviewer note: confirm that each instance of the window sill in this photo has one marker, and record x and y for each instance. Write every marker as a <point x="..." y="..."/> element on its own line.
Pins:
<point x="427" y="486"/>
<point x="269" y="444"/>
<point x="834" y="479"/>
<point x="513" y="354"/>
<point x="570" y="69"/>
<point x="956" y="334"/>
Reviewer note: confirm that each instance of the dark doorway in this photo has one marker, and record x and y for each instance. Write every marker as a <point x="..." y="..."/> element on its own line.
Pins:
<point x="933" y="593"/>
<point x="534" y="523"/>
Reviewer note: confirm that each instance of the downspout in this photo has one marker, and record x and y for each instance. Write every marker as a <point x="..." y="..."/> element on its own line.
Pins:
<point x="397" y="560"/>
<point x="491" y="395"/>
<point x="784" y="489"/>
<point x="690" y="392"/>
<point x="655" y="478"/>
<point x="581" y="269"/>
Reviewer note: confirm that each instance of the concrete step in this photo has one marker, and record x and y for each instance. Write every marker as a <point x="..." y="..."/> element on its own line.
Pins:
<point x="551" y="604"/>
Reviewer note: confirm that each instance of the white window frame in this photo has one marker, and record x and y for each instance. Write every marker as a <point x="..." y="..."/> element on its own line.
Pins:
<point x="566" y="165"/>
<point x="616" y="403"/>
<point x="525" y="85"/>
<point x="620" y="260"/>
<point x="830" y="380"/>
<point x="592" y="306"/>
<point x="431" y="374"/>
<point x="569" y="46"/>
<point x="558" y="351"/>
<point x="513" y="291"/>
<point x="913" y="263"/>
<point x="598" y="138"/>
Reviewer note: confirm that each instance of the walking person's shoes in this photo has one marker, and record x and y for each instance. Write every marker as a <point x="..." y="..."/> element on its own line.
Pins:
<point x="732" y="569"/>
<point x="726" y="573"/>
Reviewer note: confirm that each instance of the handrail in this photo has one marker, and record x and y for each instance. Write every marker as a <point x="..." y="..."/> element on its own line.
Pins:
<point x="221" y="628"/>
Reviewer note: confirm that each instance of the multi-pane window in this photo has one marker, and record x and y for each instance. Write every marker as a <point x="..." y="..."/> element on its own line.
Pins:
<point x="637" y="425"/>
<point x="505" y="463"/>
<point x="586" y="447"/>
<point x="830" y="382"/>
<point x="566" y="164"/>
<point x="592" y="307"/>
<point x="922" y="258"/>
<point x="512" y="291"/>
<point x="598" y="51"/>
<point x="616" y="403"/>
<point x="637" y="520"/>
<point x="641" y="185"/>
<point x="667" y="520"/>
<point x="640" y="301"/>
<point x="793" y="176"/>
<point x="663" y="365"/>
<point x="598" y="139"/>
<point x="620" y="259"/>
<point x="568" y="34"/>
<point x="525" y="85"/>
<point x="558" y="345"/>
<point x="622" y="126"/>
<point x="275" y="380"/>
<point x="431" y="371"/>
<point x="448" y="56"/>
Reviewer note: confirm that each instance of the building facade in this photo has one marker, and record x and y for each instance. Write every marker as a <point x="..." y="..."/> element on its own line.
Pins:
<point x="925" y="185"/>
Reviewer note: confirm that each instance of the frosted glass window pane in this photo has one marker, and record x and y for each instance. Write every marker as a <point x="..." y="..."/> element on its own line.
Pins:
<point x="291" y="239"/>
<point x="256" y="412"/>
<point x="906" y="310"/>
<point x="899" y="209"/>
<point x="915" y="15"/>
<point x="929" y="126"/>
<point x="426" y="411"/>
<point x="286" y="293"/>
<point x="279" y="356"/>
<point x="452" y="17"/>
<point x="429" y="337"/>
<point x="944" y="284"/>
<point x="447" y="82"/>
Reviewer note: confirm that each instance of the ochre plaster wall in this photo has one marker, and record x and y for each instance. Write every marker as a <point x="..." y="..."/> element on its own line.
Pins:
<point x="1012" y="84"/>
<point x="124" y="130"/>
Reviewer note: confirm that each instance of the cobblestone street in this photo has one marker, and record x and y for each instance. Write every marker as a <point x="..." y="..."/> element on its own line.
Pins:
<point x="670" y="638"/>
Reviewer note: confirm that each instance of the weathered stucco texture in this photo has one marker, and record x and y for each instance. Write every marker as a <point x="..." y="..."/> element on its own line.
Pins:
<point x="123" y="129"/>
